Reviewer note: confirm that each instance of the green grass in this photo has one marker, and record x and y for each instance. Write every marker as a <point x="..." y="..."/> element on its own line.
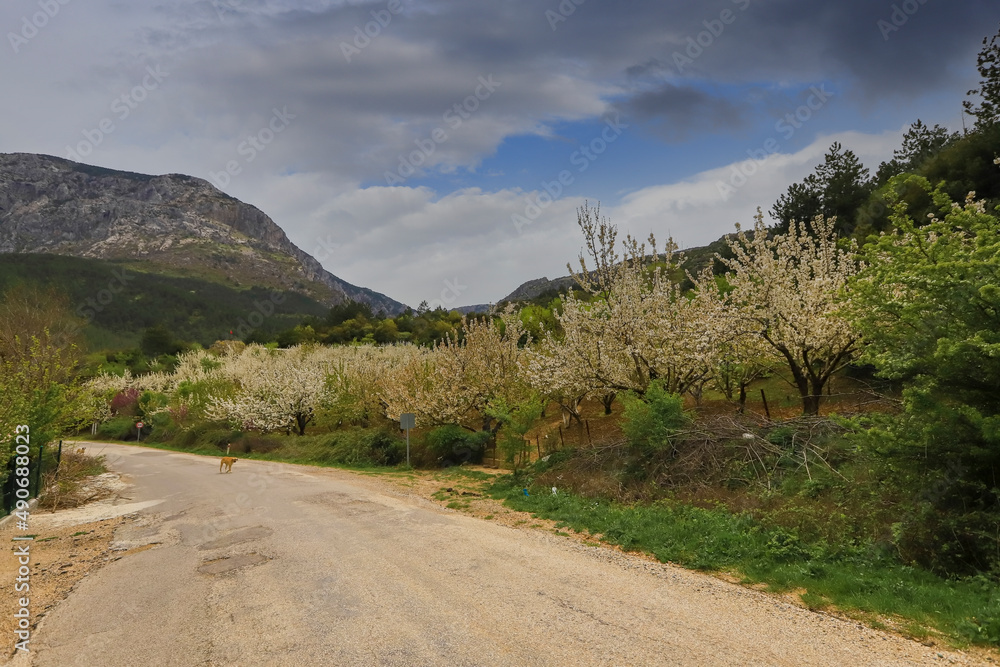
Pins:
<point x="357" y="449"/>
<point x="858" y="580"/>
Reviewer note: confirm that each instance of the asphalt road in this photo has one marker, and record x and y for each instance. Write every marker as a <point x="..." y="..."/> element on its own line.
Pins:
<point x="276" y="564"/>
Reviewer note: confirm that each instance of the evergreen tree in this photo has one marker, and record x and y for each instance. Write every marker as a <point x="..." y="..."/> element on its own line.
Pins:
<point x="920" y="143"/>
<point x="837" y="188"/>
<point x="987" y="112"/>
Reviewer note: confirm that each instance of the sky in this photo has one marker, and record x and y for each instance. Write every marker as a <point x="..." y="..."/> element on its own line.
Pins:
<point x="440" y="150"/>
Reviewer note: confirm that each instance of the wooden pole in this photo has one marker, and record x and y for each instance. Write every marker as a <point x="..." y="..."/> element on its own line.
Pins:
<point x="562" y="443"/>
<point x="38" y="470"/>
<point x="587" y="422"/>
<point x="763" y="397"/>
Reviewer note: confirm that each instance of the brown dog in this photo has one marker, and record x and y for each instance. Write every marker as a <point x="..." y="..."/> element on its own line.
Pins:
<point x="227" y="463"/>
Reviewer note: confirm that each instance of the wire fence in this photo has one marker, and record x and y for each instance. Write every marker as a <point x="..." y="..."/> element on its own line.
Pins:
<point x="47" y="458"/>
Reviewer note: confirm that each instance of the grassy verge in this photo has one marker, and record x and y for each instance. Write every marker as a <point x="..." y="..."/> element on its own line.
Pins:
<point x="351" y="448"/>
<point x="861" y="582"/>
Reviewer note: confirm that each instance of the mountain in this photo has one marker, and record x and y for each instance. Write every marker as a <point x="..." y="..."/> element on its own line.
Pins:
<point x="694" y="260"/>
<point x="535" y="288"/>
<point x="479" y="308"/>
<point x="172" y="224"/>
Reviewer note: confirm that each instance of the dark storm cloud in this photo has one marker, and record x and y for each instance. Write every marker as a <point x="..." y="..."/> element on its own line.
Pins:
<point x="677" y="111"/>
<point x="888" y="48"/>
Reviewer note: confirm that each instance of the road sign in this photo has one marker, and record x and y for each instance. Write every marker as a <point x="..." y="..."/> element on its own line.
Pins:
<point x="139" y="425"/>
<point x="407" y="420"/>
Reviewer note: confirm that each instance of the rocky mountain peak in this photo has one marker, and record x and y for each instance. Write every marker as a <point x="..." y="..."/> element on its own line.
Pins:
<point x="171" y="222"/>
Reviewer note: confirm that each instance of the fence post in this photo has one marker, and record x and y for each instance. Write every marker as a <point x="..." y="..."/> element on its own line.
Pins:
<point x="38" y="470"/>
<point x="58" y="458"/>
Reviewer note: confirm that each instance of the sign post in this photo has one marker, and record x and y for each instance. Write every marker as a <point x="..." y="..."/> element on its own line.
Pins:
<point x="138" y="426"/>
<point x="407" y="420"/>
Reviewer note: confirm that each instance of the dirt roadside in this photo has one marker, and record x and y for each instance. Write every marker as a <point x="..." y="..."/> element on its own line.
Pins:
<point x="68" y="545"/>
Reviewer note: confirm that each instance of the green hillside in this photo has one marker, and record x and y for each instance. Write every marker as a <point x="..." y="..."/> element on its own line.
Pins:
<point x="119" y="301"/>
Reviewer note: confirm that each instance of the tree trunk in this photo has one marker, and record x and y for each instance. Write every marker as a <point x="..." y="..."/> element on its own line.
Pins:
<point x="810" y="404"/>
<point x="817" y="395"/>
<point x="810" y="399"/>
<point x="743" y="399"/>
<point x="607" y="400"/>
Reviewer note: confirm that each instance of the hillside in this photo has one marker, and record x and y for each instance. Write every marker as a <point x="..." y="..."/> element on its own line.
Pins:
<point x="171" y="224"/>
<point x="694" y="260"/>
<point x="119" y="302"/>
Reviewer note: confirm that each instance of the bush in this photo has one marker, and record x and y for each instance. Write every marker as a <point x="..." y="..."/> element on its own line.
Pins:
<point x="125" y="402"/>
<point x="651" y="422"/>
<point x="362" y="447"/>
<point x="209" y="435"/>
<point x="220" y="438"/>
<point x="67" y="486"/>
<point x="453" y="445"/>
<point x="254" y="443"/>
<point x="118" y="428"/>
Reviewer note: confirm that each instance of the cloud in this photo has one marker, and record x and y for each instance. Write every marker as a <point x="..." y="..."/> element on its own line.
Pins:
<point x="408" y="241"/>
<point x="700" y="209"/>
<point x="231" y="63"/>
<point x="677" y="111"/>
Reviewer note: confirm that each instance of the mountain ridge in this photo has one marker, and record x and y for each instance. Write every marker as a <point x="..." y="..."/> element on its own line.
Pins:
<point x="176" y="222"/>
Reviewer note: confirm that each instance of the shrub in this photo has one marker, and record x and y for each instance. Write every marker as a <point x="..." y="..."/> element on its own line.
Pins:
<point x="651" y="422"/>
<point x="453" y="445"/>
<point x="67" y="486"/>
<point x="254" y="443"/>
<point x="118" y="428"/>
<point x="125" y="402"/>
<point x="207" y="434"/>
<point x="362" y="447"/>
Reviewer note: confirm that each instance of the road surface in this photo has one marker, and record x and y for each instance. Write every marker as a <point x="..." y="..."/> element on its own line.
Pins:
<point x="276" y="564"/>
